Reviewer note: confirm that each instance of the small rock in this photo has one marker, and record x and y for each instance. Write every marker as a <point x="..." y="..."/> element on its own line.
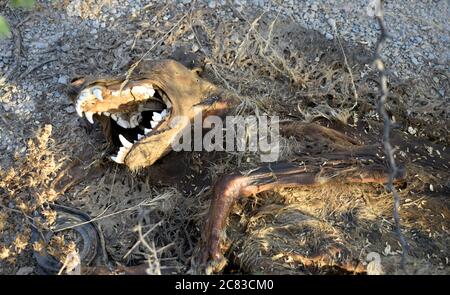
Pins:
<point x="314" y="7"/>
<point x="331" y="22"/>
<point x="40" y="45"/>
<point x="70" y="110"/>
<point x="23" y="271"/>
<point x="329" y="36"/>
<point x="65" y="47"/>
<point x="93" y="31"/>
<point x="212" y="4"/>
<point x="414" y="61"/>
<point x="195" y="48"/>
<point x="62" y="80"/>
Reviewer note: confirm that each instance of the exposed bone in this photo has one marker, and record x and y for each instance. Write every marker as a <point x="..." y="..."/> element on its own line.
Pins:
<point x="143" y="91"/>
<point x="125" y="142"/>
<point x="98" y="93"/>
<point x="84" y="95"/>
<point x="89" y="117"/>
<point x="78" y="108"/>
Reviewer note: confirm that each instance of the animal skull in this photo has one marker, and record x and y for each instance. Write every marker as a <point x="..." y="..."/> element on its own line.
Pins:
<point x="139" y="115"/>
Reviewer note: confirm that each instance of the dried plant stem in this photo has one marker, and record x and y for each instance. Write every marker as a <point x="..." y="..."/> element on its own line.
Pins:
<point x="389" y="151"/>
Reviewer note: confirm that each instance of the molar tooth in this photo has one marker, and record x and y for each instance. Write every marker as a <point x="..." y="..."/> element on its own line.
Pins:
<point x="89" y="117"/>
<point x="140" y="136"/>
<point x="146" y="131"/>
<point x="125" y="142"/>
<point x="107" y="114"/>
<point x="114" y="117"/>
<point x="134" y="120"/>
<point x="164" y="113"/>
<point x="123" y="123"/>
<point x="156" y="117"/>
<point x="98" y="93"/>
<point x="153" y="124"/>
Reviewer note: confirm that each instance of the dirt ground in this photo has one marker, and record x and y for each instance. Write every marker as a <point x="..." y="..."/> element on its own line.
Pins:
<point x="276" y="67"/>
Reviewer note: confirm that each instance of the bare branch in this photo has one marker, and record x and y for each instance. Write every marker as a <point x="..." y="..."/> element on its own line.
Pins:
<point x="389" y="151"/>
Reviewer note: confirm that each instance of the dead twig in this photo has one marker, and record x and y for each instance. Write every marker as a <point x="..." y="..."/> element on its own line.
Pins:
<point x="134" y="66"/>
<point x="389" y="151"/>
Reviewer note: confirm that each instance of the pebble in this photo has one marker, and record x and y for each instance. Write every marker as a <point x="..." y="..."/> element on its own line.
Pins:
<point x="329" y="36"/>
<point x="63" y="79"/>
<point x="70" y="109"/>
<point x="212" y="4"/>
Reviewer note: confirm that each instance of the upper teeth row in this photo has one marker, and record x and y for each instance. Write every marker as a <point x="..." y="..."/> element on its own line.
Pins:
<point x="96" y="93"/>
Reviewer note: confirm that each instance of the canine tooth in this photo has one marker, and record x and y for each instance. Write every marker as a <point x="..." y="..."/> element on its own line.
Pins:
<point x="153" y="124"/>
<point x="123" y="123"/>
<point x="125" y="142"/>
<point x="140" y="136"/>
<point x="117" y="160"/>
<point x="156" y="117"/>
<point x="89" y="117"/>
<point x="98" y="93"/>
<point x="78" y="108"/>
<point x="146" y="131"/>
<point x="123" y="150"/>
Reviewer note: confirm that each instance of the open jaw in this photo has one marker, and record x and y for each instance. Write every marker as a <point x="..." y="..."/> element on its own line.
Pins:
<point x="137" y="111"/>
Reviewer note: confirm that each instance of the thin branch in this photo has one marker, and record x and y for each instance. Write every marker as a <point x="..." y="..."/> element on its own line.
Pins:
<point x="133" y="67"/>
<point x="389" y="151"/>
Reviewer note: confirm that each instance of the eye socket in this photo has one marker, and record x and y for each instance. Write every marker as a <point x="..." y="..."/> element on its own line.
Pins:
<point x="77" y="81"/>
